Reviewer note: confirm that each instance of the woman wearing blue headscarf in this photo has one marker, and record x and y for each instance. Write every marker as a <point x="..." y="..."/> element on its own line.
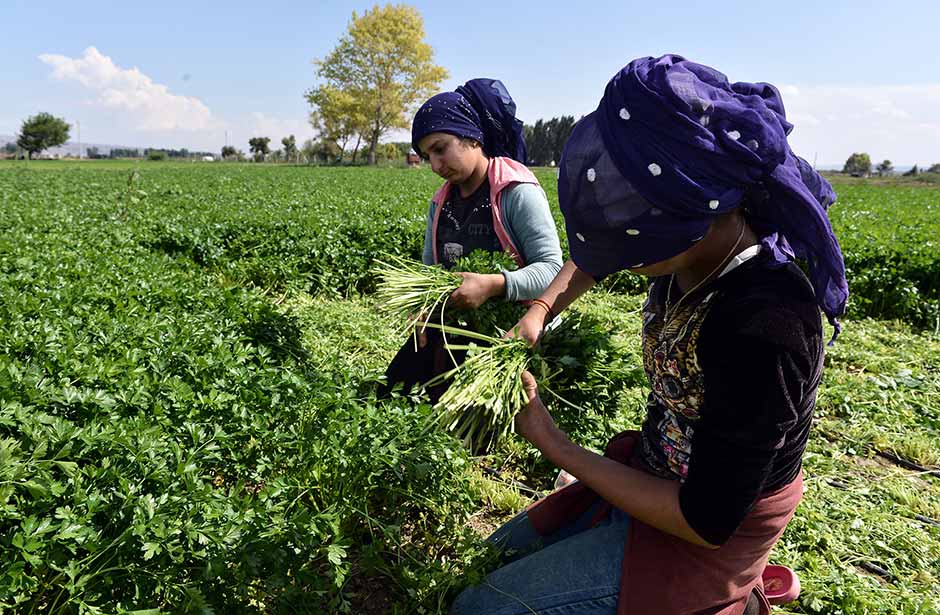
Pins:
<point x="489" y="201"/>
<point x="686" y="178"/>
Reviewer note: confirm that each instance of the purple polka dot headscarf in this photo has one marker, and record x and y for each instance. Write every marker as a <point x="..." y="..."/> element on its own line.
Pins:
<point x="673" y="144"/>
<point x="480" y="109"/>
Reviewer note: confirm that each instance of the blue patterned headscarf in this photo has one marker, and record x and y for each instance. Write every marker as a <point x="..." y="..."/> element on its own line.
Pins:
<point x="482" y="110"/>
<point x="673" y="144"/>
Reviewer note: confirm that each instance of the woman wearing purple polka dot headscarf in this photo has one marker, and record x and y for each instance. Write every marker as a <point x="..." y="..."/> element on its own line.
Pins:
<point x="687" y="178"/>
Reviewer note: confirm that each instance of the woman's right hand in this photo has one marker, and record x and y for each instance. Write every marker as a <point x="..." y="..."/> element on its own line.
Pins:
<point x="568" y="285"/>
<point x="531" y="326"/>
<point x="421" y="331"/>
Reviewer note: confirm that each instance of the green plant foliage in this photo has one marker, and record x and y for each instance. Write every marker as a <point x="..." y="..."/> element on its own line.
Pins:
<point x="889" y="237"/>
<point x="165" y="441"/>
<point x="187" y="425"/>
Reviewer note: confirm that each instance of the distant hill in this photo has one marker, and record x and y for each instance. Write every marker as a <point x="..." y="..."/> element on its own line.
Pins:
<point x="71" y="148"/>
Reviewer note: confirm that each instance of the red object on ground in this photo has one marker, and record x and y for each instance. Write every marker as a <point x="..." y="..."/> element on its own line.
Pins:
<point x="781" y="585"/>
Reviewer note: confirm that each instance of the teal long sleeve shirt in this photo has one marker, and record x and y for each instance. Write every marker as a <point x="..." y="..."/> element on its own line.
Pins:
<point x="529" y="223"/>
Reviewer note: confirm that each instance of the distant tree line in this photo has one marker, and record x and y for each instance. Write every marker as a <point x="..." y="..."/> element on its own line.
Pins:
<point x="43" y="131"/>
<point x="320" y="151"/>
<point x="546" y="139"/>
<point x="859" y="165"/>
<point x="150" y="153"/>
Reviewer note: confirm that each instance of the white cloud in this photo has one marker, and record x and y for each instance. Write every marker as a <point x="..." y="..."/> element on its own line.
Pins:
<point x="900" y="123"/>
<point x="129" y="107"/>
<point x="147" y="106"/>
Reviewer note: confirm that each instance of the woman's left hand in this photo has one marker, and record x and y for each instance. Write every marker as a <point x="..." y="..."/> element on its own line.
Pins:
<point x="476" y="289"/>
<point x="533" y="422"/>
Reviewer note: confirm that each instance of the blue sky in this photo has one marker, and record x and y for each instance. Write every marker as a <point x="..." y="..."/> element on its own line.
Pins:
<point x="854" y="78"/>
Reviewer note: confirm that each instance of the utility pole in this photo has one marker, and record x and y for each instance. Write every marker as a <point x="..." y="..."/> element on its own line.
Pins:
<point x="79" y="126"/>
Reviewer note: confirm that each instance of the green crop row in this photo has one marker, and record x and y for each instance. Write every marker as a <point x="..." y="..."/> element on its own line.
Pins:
<point x="165" y="442"/>
<point x="890" y="239"/>
<point x="319" y="228"/>
<point x="890" y="236"/>
<point x="171" y="438"/>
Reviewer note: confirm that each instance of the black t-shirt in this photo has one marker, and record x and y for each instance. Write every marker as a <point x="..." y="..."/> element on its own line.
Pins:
<point x="465" y="225"/>
<point x="734" y="372"/>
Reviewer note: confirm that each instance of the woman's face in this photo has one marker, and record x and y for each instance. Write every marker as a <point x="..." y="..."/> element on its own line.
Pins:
<point x="714" y="245"/>
<point x="450" y="157"/>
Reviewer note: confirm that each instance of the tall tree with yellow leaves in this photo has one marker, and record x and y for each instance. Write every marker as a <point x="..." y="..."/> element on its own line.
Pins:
<point x="383" y="66"/>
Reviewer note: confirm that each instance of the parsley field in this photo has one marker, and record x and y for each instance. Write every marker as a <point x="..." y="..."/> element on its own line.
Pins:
<point x="188" y="355"/>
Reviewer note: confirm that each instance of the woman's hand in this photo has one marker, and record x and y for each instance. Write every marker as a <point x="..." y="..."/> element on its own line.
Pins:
<point x="476" y="289"/>
<point x="419" y="320"/>
<point x="533" y="422"/>
<point x="531" y="326"/>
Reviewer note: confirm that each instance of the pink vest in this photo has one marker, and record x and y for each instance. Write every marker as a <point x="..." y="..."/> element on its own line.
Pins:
<point x="502" y="172"/>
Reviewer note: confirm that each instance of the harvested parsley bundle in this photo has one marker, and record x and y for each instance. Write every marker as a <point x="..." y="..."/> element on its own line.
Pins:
<point x="408" y="288"/>
<point x="486" y="390"/>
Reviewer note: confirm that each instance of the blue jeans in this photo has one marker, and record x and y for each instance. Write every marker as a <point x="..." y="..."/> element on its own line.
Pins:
<point x="575" y="570"/>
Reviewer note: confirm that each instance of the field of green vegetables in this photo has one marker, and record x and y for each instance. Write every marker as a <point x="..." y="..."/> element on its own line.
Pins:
<point x="188" y="355"/>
